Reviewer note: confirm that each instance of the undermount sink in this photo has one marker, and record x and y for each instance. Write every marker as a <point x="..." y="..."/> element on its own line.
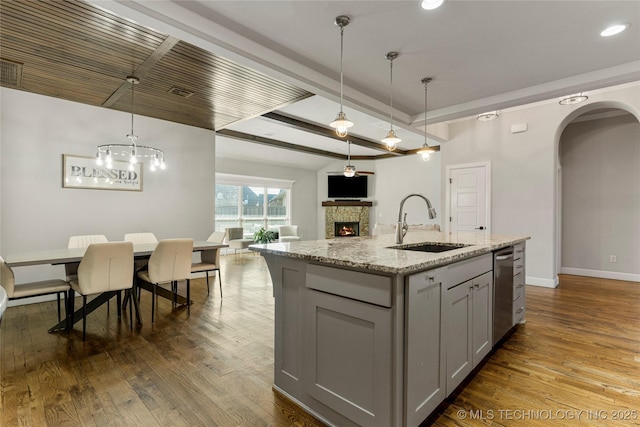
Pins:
<point x="433" y="247"/>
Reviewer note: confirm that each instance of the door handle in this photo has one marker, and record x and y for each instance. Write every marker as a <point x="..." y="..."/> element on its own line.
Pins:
<point x="480" y="228"/>
<point x="503" y="257"/>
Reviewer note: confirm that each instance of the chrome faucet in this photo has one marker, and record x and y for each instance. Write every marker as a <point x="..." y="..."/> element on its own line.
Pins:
<point x="401" y="226"/>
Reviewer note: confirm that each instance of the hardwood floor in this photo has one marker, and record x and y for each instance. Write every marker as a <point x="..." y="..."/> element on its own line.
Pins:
<point x="579" y="351"/>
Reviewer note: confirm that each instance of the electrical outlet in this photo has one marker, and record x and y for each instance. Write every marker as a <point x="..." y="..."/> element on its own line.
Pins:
<point x="613" y="258"/>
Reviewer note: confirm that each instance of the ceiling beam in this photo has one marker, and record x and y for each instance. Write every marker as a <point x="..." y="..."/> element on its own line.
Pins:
<point x="329" y="133"/>
<point x="278" y="144"/>
<point x="142" y="70"/>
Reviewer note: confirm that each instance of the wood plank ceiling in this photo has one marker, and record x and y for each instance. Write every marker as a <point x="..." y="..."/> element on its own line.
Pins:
<point x="80" y="52"/>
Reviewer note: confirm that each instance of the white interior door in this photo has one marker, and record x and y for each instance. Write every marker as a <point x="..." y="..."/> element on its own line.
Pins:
<point x="468" y="193"/>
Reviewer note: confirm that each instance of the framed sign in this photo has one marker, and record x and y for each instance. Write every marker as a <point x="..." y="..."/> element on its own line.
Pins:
<point x="83" y="172"/>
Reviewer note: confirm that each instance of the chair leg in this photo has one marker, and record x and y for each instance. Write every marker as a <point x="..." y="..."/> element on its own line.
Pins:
<point x="131" y="310"/>
<point x="66" y="307"/>
<point x="70" y="309"/>
<point x="58" y="295"/>
<point x="84" y="317"/>
<point x="220" y="281"/>
<point x="153" y="305"/>
<point x="119" y="303"/>
<point x="188" y="297"/>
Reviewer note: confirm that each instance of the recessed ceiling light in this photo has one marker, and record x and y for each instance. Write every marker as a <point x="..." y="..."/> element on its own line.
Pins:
<point x="431" y="4"/>
<point x="613" y="30"/>
<point x="489" y="115"/>
<point x="576" y="98"/>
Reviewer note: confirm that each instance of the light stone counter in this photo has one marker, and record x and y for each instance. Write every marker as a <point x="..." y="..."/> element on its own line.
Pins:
<point x="379" y="253"/>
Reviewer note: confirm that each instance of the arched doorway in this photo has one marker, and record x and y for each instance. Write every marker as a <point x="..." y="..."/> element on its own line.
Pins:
<point x="597" y="210"/>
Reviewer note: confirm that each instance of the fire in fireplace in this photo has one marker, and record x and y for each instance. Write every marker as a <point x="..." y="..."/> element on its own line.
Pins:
<point x="347" y="229"/>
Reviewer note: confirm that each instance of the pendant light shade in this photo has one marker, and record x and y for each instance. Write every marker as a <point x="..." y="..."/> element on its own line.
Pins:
<point x="341" y="124"/>
<point x="425" y="152"/>
<point x="391" y="140"/>
<point x="349" y="170"/>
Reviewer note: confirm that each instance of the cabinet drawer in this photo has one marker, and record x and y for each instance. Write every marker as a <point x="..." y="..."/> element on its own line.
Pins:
<point x="518" y="311"/>
<point x="518" y="251"/>
<point x="518" y="291"/>
<point x="467" y="269"/>
<point x="356" y="285"/>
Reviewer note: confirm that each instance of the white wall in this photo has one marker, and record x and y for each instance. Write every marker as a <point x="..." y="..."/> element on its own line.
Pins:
<point x="396" y="178"/>
<point x="37" y="213"/>
<point x="524" y="168"/>
<point x="601" y="197"/>
<point x="303" y="212"/>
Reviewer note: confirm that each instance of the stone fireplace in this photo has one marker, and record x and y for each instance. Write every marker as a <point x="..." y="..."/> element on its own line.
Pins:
<point x="353" y="215"/>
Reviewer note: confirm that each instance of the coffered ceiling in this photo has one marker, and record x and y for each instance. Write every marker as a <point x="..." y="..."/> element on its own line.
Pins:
<point x="224" y="64"/>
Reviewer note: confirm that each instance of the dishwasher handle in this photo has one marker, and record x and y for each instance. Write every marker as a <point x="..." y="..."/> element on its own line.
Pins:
<point x="503" y="257"/>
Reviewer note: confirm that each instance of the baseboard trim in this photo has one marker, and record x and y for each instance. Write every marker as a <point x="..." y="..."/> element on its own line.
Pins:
<point x="539" y="281"/>
<point x="601" y="274"/>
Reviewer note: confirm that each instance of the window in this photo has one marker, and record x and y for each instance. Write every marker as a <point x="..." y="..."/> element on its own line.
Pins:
<point x="251" y="203"/>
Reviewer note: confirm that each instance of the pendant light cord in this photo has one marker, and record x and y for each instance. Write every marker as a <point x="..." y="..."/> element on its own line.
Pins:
<point x="341" y="60"/>
<point x="391" y="92"/>
<point x="132" y="89"/>
<point x="426" y="84"/>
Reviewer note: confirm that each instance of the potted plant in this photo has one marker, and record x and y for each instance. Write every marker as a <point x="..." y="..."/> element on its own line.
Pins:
<point x="264" y="236"/>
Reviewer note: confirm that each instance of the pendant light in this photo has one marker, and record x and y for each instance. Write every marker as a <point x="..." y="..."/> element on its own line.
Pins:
<point x="391" y="140"/>
<point x="425" y="151"/>
<point x="341" y="123"/>
<point x="349" y="169"/>
<point x="132" y="151"/>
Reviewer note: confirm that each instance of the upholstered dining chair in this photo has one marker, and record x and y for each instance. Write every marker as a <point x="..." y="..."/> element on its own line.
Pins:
<point x="81" y="242"/>
<point x="140" y="238"/>
<point x="26" y="290"/>
<point x="210" y="259"/>
<point x="105" y="267"/>
<point x="169" y="263"/>
<point x="288" y="233"/>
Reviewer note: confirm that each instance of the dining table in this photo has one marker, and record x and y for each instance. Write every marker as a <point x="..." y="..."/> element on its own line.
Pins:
<point x="74" y="255"/>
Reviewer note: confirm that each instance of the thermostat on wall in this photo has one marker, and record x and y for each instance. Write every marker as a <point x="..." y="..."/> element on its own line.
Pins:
<point x="519" y="128"/>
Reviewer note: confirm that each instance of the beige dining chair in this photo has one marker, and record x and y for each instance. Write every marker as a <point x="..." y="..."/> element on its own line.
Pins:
<point x="105" y="267"/>
<point x="169" y="263"/>
<point x="71" y="269"/>
<point x="140" y="238"/>
<point x="210" y="259"/>
<point x="32" y="289"/>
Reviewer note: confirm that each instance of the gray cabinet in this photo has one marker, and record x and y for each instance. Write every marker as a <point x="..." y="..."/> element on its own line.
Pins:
<point x="518" y="284"/>
<point x="347" y="362"/>
<point x="425" y="376"/>
<point x="458" y="335"/>
<point x="348" y="357"/>
<point x="468" y="317"/>
<point x="482" y="316"/>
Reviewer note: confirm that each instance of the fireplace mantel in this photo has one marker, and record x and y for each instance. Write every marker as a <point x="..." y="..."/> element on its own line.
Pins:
<point x="346" y="203"/>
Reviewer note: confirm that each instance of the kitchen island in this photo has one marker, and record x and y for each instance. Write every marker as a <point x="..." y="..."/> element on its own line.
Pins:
<point x="372" y="333"/>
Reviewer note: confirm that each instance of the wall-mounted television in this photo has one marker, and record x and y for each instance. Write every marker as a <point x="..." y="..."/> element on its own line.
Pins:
<point x="342" y="187"/>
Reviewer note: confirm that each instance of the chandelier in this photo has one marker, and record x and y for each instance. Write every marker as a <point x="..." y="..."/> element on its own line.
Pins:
<point x="133" y="152"/>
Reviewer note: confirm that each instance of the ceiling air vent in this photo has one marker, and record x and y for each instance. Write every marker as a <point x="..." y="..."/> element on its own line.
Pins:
<point x="10" y="73"/>
<point x="180" y="91"/>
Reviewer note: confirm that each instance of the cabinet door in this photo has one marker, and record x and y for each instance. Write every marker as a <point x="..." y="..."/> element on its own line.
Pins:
<point x="348" y="357"/>
<point x="425" y="376"/>
<point x="482" y="316"/>
<point x="458" y="306"/>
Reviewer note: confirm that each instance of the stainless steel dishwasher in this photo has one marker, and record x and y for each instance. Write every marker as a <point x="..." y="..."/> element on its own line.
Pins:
<point x="502" y="292"/>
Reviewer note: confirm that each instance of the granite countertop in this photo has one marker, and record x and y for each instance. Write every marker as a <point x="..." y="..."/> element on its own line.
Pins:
<point x="377" y="253"/>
